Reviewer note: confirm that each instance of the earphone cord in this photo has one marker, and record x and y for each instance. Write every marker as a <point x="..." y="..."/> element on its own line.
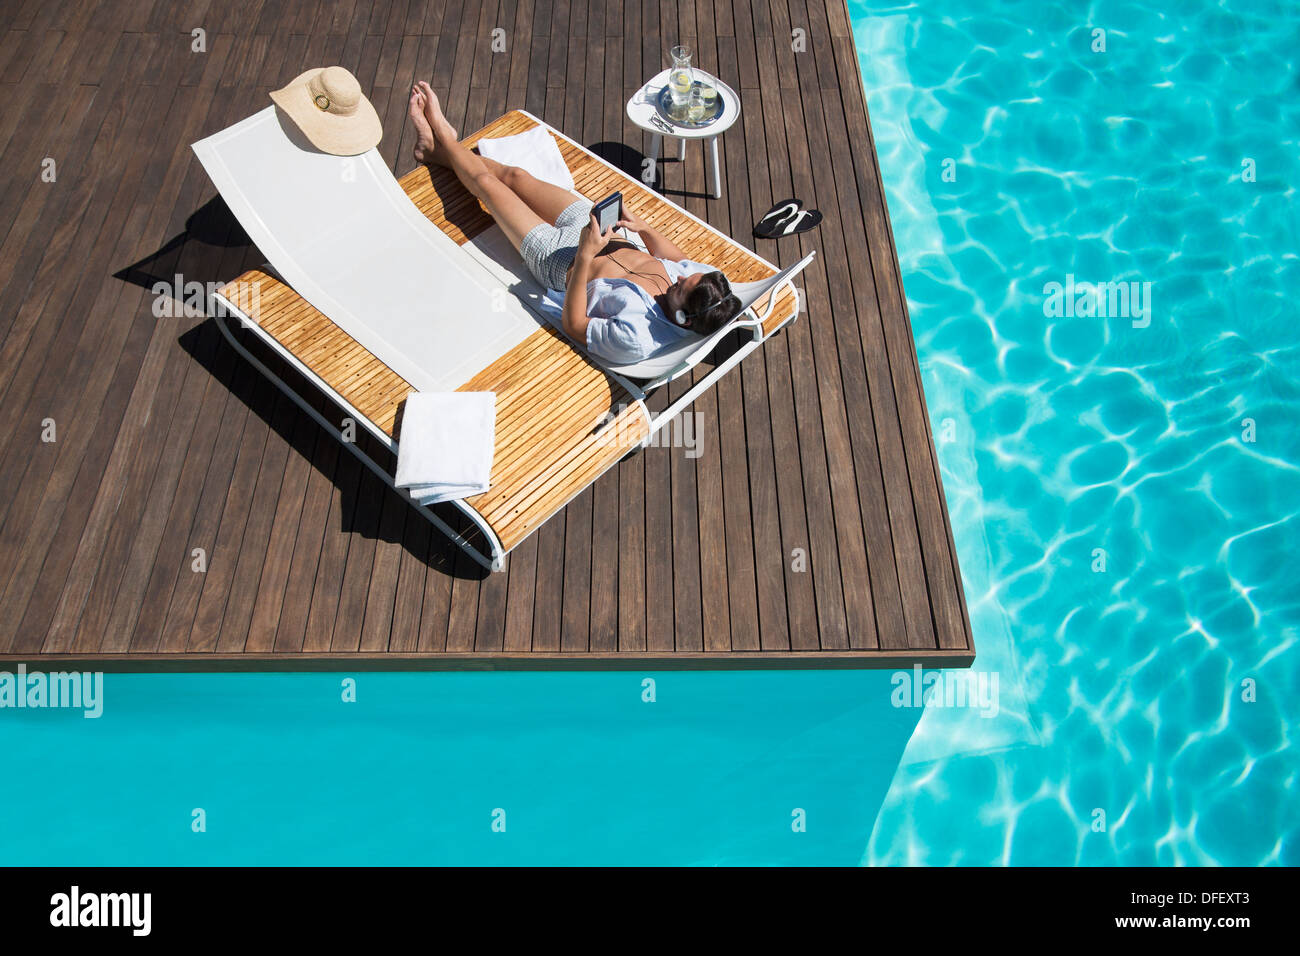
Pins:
<point x="643" y="275"/>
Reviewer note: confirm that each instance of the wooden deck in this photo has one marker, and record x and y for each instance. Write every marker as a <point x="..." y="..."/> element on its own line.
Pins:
<point x="166" y="441"/>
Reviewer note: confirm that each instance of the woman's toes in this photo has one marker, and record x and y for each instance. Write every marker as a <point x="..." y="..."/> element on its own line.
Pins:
<point x="425" y="148"/>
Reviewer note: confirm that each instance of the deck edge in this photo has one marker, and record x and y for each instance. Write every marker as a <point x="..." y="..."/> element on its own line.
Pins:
<point x="264" y="662"/>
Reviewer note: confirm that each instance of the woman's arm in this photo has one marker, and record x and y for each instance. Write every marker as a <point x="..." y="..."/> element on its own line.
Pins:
<point x="655" y="243"/>
<point x="575" y="318"/>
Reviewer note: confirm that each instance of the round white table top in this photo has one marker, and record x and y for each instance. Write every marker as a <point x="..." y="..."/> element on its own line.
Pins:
<point x="642" y="106"/>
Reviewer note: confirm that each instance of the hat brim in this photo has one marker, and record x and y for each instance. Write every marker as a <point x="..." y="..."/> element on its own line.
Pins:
<point x="329" y="132"/>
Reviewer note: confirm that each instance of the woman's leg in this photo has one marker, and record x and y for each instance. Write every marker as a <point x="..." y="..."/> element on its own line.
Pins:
<point x="512" y="214"/>
<point x="546" y="199"/>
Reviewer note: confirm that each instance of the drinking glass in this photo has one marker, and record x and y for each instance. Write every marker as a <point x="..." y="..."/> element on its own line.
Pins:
<point x="695" y="109"/>
<point x="710" y="95"/>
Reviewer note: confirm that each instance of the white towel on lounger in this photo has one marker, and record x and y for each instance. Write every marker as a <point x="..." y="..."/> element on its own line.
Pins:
<point x="446" y="445"/>
<point x="533" y="150"/>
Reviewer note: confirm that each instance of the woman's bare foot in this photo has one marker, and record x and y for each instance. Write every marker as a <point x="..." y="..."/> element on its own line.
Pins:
<point x="443" y="131"/>
<point x="425" y="147"/>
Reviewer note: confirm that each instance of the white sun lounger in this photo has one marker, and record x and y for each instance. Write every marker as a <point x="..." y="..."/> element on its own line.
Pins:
<point x="348" y="244"/>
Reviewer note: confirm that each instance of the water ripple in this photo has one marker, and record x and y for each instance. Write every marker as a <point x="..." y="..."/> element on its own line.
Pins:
<point x="1160" y="686"/>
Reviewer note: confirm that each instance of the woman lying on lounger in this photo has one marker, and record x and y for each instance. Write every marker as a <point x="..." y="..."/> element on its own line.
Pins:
<point x="617" y="299"/>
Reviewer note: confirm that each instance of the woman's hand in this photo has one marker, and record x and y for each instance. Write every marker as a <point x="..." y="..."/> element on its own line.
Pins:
<point x="592" y="240"/>
<point x="632" y="221"/>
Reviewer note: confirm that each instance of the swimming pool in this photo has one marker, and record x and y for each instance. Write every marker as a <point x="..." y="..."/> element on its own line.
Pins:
<point x="1120" y="688"/>
<point x="1127" y="481"/>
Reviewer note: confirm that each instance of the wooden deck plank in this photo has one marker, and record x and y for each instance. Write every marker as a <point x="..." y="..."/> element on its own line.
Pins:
<point x="872" y="433"/>
<point x="256" y="550"/>
<point x="742" y="584"/>
<point x="769" y="549"/>
<point x="820" y="441"/>
<point x="835" y="545"/>
<point x="291" y="623"/>
<point x="201" y="632"/>
<point x="836" y="559"/>
<point x="812" y="623"/>
<point x="108" y="361"/>
<point x="27" y="216"/>
<point x="28" y="347"/>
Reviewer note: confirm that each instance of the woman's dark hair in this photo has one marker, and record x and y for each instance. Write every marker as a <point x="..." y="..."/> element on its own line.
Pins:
<point x="711" y="304"/>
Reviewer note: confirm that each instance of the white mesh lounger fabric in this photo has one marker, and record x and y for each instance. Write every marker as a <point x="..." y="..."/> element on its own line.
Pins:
<point x="348" y="240"/>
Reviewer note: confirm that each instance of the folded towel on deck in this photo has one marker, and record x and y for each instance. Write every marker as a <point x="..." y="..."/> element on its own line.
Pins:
<point x="446" y="446"/>
<point x="533" y="150"/>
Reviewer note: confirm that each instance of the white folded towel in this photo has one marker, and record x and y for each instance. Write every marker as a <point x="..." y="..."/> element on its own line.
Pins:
<point x="533" y="150"/>
<point x="446" y="447"/>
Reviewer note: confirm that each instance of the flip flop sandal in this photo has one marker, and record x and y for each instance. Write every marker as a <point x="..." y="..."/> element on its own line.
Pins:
<point x="801" y="221"/>
<point x="775" y="217"/>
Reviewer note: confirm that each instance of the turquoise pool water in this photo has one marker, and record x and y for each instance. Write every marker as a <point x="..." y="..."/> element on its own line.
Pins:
<point x="1123" y="439"/>
<point x="1120" y="690"/>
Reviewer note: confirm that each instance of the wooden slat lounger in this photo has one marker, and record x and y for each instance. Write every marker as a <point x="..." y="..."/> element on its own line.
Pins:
<point x="555" y="434"/>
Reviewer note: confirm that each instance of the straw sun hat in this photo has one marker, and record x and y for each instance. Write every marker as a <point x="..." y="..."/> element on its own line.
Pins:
<point x="328" y="106"/>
